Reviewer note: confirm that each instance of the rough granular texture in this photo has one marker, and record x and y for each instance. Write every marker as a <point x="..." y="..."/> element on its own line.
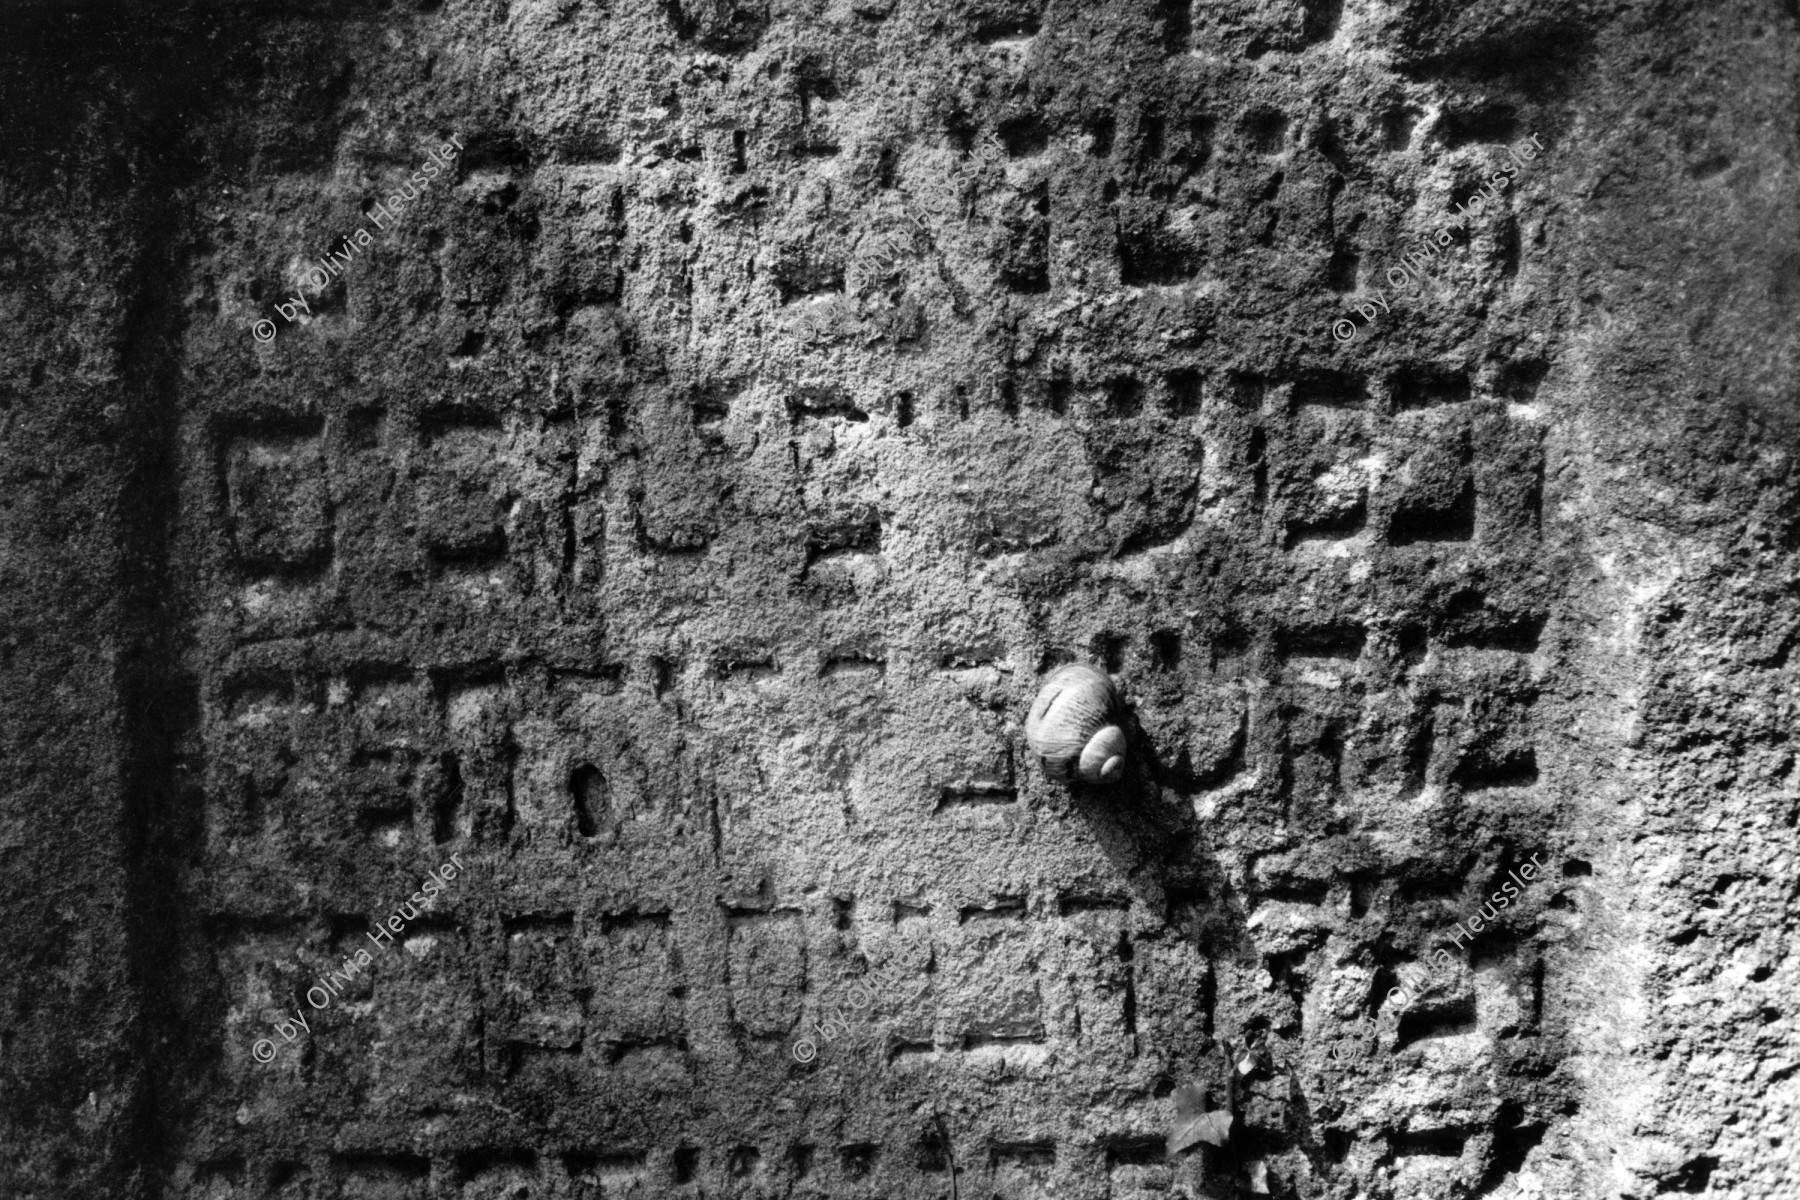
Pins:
<point x="665" y="511"/>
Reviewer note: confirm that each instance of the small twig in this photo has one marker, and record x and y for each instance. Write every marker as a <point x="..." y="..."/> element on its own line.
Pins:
<point x="1231" y="1077"/>
<point x="949" y="1151"/>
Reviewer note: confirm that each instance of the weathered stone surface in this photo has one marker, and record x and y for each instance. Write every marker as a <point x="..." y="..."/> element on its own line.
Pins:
<point x="667" y="512"/>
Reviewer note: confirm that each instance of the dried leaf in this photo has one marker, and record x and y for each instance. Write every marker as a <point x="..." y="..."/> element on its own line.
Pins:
<point x="1190" y="1101"/>
<point x="1255" y="1056"/>
<point x="1193" y="1123"/>
<point x="1259" y="1177"/>
<point x="1213" y="1128"/>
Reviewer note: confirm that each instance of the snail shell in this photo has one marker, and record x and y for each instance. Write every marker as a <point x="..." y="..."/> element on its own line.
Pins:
<point x="1071" y="727"/>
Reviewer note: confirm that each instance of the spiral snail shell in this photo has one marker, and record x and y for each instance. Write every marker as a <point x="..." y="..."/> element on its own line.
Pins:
<point x="1071" y="725"/>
